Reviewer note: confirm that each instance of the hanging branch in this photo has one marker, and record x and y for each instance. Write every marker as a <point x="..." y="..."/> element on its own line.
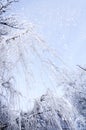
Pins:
<point x="81" y="67"/>
<point x="4" y="5"/>
<point x="6" y="22"/>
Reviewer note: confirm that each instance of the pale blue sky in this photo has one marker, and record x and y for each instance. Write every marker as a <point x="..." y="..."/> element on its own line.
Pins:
<point x="62" y="24"/>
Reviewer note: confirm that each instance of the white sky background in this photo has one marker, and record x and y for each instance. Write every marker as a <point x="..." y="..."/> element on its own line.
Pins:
<point x="62" y="24"/>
